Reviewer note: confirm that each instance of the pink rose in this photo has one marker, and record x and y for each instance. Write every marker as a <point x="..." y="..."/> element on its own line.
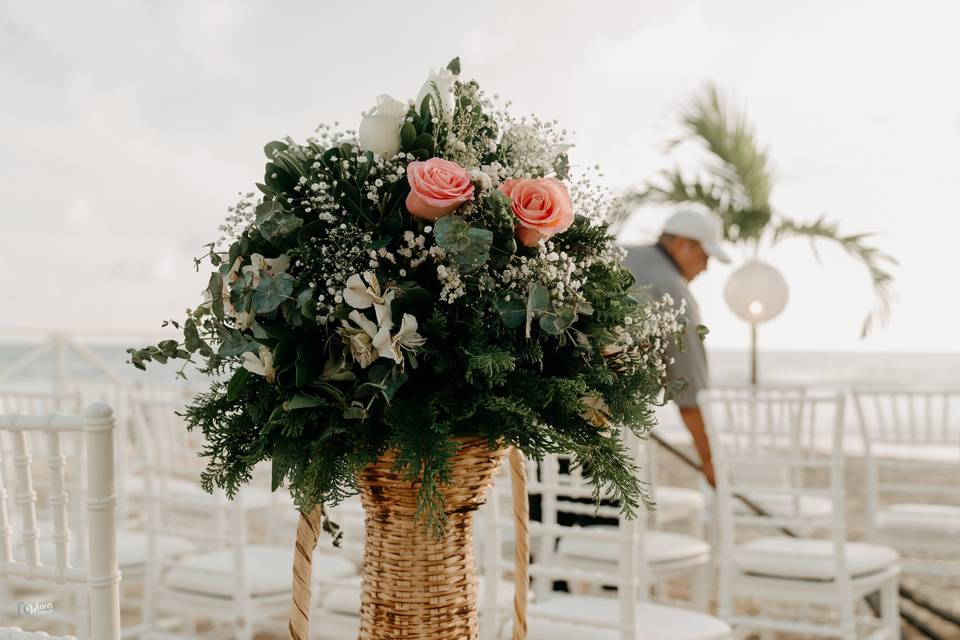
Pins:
<point x="542" y="208"/>
<point x="437" y="188"/>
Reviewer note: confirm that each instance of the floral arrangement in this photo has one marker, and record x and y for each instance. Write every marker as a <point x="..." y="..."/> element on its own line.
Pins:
<point x="434" y="274"/>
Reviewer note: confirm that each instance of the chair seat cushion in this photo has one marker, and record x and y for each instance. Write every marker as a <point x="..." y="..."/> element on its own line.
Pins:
<point x="345" y="596"/>
<point x="677" y="502"/>
<point x="655" y="622"/>
<point x="132" y="547"/>
<point x="661" y="546"/>
<point x="803" y="559"/>
<point x="784" y="506"/>
<point x="268" y="571"/>
<point x="937" y="453"/>
<point x="926" y="520"/>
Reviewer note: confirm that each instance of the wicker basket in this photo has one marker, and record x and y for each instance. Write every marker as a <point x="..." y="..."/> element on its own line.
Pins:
<point x="416" y="586"/>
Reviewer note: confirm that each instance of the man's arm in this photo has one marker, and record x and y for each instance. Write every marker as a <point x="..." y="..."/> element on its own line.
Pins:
<point x="694" y="421"/>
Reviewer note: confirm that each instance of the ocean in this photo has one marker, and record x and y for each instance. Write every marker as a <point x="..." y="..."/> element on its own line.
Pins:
<point x="727" y="367"/>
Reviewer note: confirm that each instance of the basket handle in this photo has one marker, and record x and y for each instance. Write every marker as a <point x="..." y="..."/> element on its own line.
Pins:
<point x="521" y="556"/>
<point x="308" y="532"/>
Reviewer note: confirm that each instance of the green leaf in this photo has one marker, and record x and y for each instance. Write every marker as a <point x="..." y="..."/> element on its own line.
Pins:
<point x="279" y="178"/>
<point x="408" y="136"/>
<point x="425" y="114"/>
<point x="236" y="344"/>
<point x="512" y="312"/>
<point x="556" y="323"/>
<point x="191" y="336"/>
<point x="355" y="411"/>
<point x="351" y="198"/>
<point x="285" y="354"/>
<point x="272" y="147"/>
<point x="215" y="287"/>
<point x="416" y="301"/>
<point x="309" y="364"/>
<point x="275" y="222"/>
<point x="468" y="247"/>
<point x="169" y="348"/>
<point x="454" y="66"/>
<point x="427" y="142"/>
<point x="538" y="302"/>
<point x="278" y="470"/>
<point x="237" y="384"/>
<point x="303" y="401"/>
<point x="272" y="291"/>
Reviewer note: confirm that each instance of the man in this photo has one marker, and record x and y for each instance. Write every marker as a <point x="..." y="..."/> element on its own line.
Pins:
<point x="689" y="239"/>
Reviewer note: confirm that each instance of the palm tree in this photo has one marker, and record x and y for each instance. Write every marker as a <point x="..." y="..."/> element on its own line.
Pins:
<point x="735" y="181"/>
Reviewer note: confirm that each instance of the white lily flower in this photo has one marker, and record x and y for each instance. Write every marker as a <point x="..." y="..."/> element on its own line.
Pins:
<point x="364" y="292"/>
<point x="406" y="338"/>
<point x="260" y="363"/>
<point x="361" y="340"/>
<point x="260" y="265"/>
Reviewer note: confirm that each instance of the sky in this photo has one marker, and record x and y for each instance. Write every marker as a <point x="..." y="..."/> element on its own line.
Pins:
<point x="128" y="128"/>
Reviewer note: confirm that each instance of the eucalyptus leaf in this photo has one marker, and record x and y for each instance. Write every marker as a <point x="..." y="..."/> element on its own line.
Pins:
<point x="538" y="302"/>
<point x="236" y="344"/>
<point x="272" y="291"/>
<point x="468" y="247"/>
<point x="512" y="312"/>
<point x="191" y="336"/>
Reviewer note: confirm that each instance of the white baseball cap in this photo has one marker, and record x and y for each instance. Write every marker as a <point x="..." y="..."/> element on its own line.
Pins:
<point x="701" y="226"/>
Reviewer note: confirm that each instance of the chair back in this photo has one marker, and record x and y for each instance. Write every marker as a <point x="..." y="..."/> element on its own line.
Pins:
<point x="565" y="497"/>
<point x="757" y="434"/>
<point x="101" y="572"/>
<point x="911" y="443"/>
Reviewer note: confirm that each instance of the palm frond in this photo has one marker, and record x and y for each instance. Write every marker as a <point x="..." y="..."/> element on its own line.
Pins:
<point x="738" y="159"/>
<point x="876" y="262"/>
<point x="736" y="180"/>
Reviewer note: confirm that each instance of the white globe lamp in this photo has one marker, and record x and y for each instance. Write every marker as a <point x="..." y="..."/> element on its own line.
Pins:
<point x="756" y="293"/>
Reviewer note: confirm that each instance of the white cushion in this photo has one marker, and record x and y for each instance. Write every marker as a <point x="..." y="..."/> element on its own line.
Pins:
<point x="936" y="520"/>
<point x="804" y="559"/>
<point x="677" y="502"/>
<point x="661" y="546"/>
<point x="269" y="571"/>
<point x="132" y="547"/>
<point x="779" y="504"/>
<point x="924" y="453"/>
<point x="345" y="596"/>
<point x="654" y="621"/>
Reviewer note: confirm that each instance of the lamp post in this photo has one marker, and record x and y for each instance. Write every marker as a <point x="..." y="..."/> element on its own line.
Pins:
<point x="756" y="293"/>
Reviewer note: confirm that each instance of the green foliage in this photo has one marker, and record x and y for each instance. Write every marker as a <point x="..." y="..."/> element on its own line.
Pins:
<point x="332" y="334"/>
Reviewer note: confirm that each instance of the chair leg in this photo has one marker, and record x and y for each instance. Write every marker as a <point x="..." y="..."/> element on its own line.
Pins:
<point x="701" y="593"/>
<point x="890" y="609"/>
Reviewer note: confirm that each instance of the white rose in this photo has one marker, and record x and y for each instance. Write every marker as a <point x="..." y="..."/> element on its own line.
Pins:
<point x="444" y="79"/>
<point x="380" y="129"/>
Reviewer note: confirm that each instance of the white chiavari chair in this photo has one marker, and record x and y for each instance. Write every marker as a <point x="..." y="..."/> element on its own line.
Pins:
<point x="588" y="609"/>
<point x="97" y="568"/>
<point x="911" y="443"/>
<point x="802" y="585"/>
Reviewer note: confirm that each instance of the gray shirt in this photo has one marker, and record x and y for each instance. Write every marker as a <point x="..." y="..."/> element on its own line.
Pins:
<point x="651" y="266"/>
